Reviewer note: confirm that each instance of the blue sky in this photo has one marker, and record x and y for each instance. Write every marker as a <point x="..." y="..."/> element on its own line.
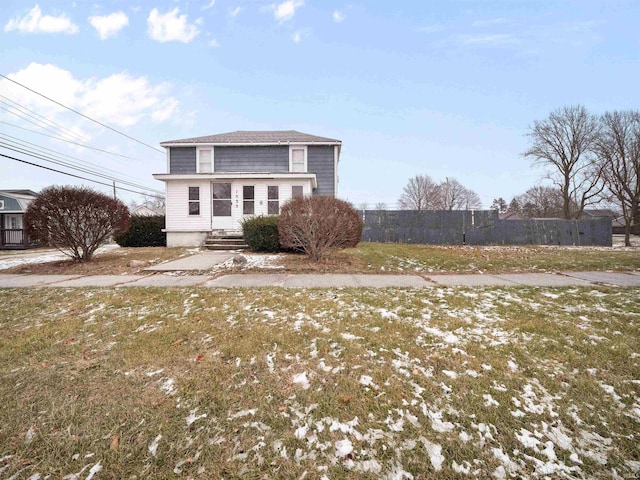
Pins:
<point x="444" y="88"/>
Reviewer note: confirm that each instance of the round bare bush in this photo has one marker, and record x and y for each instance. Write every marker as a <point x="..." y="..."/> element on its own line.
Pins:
<point x="316" y="225"/>
<point x="75" y="220"/>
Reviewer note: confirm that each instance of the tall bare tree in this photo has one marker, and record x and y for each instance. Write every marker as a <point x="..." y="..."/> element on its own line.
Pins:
<point x="421" y="193"/>
<point x="618" y="149"/>
<point x="541" y="202"/>
<point x="455" y="196"/>
<point x="564" y="143"/>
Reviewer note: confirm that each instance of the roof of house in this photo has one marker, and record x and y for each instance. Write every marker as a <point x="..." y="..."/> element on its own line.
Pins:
<point x="145" y="210"/>
<point x="509" y="216"/>
<point x="26" y="193"/>
<point x="243" y="137"/>
<point x="22" y="199"/>
<point x="599" y="212"/>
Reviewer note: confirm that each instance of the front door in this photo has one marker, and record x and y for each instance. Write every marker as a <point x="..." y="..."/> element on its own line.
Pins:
<point x="221" y="206"/>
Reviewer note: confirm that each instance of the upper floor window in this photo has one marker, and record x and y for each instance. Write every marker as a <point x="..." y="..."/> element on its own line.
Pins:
<point x="205" y="160"/>
<point x="298" y="159"/>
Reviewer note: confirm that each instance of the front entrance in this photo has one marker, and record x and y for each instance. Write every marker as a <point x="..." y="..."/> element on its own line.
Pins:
<point x="221" y="206"/>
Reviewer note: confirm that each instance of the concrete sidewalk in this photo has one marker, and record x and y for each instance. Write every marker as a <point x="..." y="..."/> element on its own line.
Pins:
<point x="563" y="279"/>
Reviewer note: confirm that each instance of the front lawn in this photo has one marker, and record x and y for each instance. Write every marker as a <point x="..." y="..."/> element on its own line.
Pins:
<point x="320" y="384"/>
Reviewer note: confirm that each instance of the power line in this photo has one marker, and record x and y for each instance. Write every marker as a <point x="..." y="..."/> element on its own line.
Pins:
<point x="43" y="156"/>
<point x="40" y="118"/>
<point x="20" y="143"/>
<point x="76" y="176"/>
<point x="84" y="116"/>
<point x="67" y="141"/>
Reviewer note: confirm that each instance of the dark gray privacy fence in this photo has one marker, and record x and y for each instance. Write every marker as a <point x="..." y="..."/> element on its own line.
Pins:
<point x="479" y="227"/>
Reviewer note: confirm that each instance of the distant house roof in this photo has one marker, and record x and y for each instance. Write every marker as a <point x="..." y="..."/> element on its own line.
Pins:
<point x="146" y="211"/>
<point x="509" y="216"/>
<point x="16" y="201"/>
<point x="27" y="193"/>
<point x="600" y="212"/>
<point x="240" y="137"/>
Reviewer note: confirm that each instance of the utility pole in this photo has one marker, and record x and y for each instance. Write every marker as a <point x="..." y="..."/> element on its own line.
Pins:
<point x="446" y="194"/>
<point x="114" y="190"/>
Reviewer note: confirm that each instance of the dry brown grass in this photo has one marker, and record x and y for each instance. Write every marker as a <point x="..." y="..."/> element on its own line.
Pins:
<point x="426" y="382"/>
<point x="112" y="262"/>
<point x="377" y="258"/>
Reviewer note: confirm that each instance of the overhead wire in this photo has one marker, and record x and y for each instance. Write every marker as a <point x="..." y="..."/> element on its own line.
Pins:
<point x="61" y="133"/>
<point x="89" y="147"/>
<point x="22" y="142"/>
<point x="84" y="116"/>
<point x="77" y="176"/>
<point x="26" y="150"/>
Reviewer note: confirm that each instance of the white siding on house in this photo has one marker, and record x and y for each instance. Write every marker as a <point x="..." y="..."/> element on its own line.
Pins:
<point x="177" y="206"/>
<point x="190" y="229"/>
<point x="261" y="194"/>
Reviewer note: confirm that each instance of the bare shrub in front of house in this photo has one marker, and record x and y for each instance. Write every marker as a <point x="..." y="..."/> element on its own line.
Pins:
<point x="316" y="225"/>
<point x="75" y="220"/>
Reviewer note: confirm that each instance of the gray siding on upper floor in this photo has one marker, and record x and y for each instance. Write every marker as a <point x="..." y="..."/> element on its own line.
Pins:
<point x="10" y="204"/>
<point x="265" y="159"/>
<point x="320" y="161"/>
<point x="182" y="160"/>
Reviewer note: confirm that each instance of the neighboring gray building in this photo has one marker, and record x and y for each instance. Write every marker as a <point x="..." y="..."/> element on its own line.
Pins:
<point x="13" y="204"/>
<point x="214" y="182"/>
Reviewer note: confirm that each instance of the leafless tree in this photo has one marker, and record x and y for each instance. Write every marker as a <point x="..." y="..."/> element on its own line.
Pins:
<point x="564" y="143"/>
<point x="75" y="220"/>
<point x="455" y="196"/>
<point x="541" y="202"/>
<point x="381" y="206"/>
<point x="618" y="150"/>
<point x="421" y="193"/>
<point x="316" y="225"/>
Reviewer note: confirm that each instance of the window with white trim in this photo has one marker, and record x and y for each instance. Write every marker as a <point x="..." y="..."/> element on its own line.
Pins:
<point x="194" y="200"/>
<point x="248" y="199"/>
<point x="297" y="191"/>
<point x="205" y="160"/>
<point x="298" y="159"/>
<point x="273" y="200"/>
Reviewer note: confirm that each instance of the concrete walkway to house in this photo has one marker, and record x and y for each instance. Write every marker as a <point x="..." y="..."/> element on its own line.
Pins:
<point x="563" y="279"/>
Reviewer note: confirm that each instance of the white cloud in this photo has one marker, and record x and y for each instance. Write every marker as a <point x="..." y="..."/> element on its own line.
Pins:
<point x="233" y="12"/>
<point x="296" y="37"/>
<point x="170" y="27"/>
<point x="119" y="99"/>
<point x="108" y="26"/>
<point x="35" y="22"/>
<point x="286" y="10"/>
<point x="338" y="16"/>
<point x="213" y="43"/>
<point x="211" y="4"/>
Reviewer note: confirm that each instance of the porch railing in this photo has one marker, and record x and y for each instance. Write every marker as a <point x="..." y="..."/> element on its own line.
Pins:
<point x="13" y="237"/>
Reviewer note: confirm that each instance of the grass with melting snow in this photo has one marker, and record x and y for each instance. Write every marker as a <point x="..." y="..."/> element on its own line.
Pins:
<point x="398" y="258"/>
<point x="343" y="383"/>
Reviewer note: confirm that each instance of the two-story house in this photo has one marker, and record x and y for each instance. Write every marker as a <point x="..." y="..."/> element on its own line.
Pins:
<point x="214" y="182"/>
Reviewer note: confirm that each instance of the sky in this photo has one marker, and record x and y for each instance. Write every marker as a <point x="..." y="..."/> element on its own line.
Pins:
<point x="443" y="88"/>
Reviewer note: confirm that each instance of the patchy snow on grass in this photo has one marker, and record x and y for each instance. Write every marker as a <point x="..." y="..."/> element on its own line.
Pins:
<point x="29" y="257"/>
<point x="254" y="261"/>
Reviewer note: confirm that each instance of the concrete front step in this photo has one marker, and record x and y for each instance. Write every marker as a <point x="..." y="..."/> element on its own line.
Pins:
<point x="222" y="240"/>
<point x="224" y="246"/>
